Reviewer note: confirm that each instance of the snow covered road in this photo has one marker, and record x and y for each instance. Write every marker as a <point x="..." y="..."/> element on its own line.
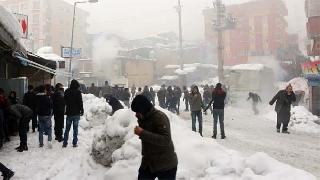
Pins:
<point x="249" y="134"/>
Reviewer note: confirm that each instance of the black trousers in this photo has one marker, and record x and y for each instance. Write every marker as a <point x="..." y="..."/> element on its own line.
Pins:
<point x="145" y="174"/>
<point x="23" y="128"/>
<point x="283" y="117"/>
<point x="58" y="124"/>
<point x="4" y="169"/>
<point x="34" y="121"/>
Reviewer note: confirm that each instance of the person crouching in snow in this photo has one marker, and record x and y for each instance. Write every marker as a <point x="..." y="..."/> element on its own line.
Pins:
<point x="22" y="114"/>
<point x="114" y="103"/>
<point x="159" y="159"/>
<point x="284" y="100"/>
<point x="44" y="112"/>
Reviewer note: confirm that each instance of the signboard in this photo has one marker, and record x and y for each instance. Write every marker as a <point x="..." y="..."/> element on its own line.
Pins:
<point x="311" y="68"/>
<point x="23" y="21"/>
<point x="65" y="52"/>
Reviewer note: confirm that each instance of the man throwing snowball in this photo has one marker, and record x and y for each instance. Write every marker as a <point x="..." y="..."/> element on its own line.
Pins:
<point x="159" y="159"/>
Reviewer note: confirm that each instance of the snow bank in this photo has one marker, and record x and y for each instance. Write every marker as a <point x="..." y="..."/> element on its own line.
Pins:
<point x="96" y="110"/>
<point x="199" y="158"/>
<point x="301" y="119"/>
<point x="252" y="67"/>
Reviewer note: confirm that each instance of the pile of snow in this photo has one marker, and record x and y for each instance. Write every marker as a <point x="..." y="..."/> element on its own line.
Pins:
<point x="169" y="77"/>
<point x="96" y="110"/>
<point x="10" y="23"/>
<point x="301" y="119"/>
<point x="199" y="158"/>
<point x="252" y="67"/>
<point x="184" y="71"/>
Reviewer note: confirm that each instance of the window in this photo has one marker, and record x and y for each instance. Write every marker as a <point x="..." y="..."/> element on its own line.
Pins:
<point x="36" y="4"/>
<point x="36" y="19"/>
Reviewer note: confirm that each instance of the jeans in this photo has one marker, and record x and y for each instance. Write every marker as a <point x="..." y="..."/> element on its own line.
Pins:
<point x="187" y="104"/>
<point x="218" y="114"/>
<point x="45" y="127"/>
<point x="194" y="115"/>
<point x="145" y="174"/>
<point x="75" y="121"/>
<point x="58" y="124"/>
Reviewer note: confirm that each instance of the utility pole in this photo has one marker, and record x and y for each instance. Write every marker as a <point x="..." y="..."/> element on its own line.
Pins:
<point x="221" y="24"/>
<point x="179" y="9"/>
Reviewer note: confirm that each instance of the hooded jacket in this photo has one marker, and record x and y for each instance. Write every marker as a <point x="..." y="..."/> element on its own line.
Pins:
<point x="73" y="99"/>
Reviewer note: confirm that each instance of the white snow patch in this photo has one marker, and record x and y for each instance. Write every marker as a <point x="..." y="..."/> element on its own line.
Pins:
<point x="252" y="67"/>
<point x="10" y="23"/>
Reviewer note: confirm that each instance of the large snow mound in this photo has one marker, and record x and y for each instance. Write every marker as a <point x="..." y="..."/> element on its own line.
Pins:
<point x="301" y="119"/>
<point x="199" y="158"/>
<point x="96" y="110"/>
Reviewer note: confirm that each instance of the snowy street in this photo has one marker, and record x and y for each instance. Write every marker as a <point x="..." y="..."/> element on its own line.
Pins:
<point x="249" y="134"/>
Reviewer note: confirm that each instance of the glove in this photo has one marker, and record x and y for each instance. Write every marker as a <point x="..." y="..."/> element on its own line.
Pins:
<point x="81" y="112"/>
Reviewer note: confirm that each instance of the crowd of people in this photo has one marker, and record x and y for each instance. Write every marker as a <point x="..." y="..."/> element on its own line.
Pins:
<point x="41" y="103"/>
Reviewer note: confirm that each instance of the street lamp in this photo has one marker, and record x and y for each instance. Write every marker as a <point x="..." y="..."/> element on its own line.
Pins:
<point x="73" y="20"/>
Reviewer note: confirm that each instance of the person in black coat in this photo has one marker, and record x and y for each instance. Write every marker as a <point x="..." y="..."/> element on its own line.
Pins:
<point x="284" y="100"/>
<point x="58" y="111"/>
<point x="22" y="114"/>
<point x="114" y="103"/>
<point x="159" y="159"/>
<point x="218" y="100"/>
<point x="6" y="173"/>
<point x="29" y="100"/>
<point x="74" y="109"/>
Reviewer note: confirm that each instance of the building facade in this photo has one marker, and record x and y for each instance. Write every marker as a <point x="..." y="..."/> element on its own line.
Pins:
<point x="260" y="30"/>
<point x="50" y="24"/>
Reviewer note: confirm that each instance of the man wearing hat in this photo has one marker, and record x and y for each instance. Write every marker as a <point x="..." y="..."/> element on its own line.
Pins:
<point x="159" y="159"/>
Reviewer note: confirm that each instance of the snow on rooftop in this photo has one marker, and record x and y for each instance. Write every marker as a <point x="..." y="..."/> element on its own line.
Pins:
<point x="47" y="53"/>
<point x="172" y="66"/>
<point x="10" y="23"/>
<point x="251" y="67"/>
<point x="186" y="70"/>
<point x="169" y="77"/>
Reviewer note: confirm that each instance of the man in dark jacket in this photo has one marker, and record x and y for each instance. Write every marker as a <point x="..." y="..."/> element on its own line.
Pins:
<point x="159" y="159"/>
<point x="284" y="100"/>
<point x="22" y="114"/>
<point x="44" y="112"/>
<point x="162" y="96"/>
<point x="94" y="90"/>
<point x="74" y="109"/>
<point x="186" y="97"/>
<point x="58" y="111"/>
<point x="29" y="100"/>
<point x="218" y="100"/>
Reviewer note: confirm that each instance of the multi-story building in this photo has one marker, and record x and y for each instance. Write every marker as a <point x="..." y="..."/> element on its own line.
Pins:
<point x="50" y="23"/>
<point x="260" y="30"/>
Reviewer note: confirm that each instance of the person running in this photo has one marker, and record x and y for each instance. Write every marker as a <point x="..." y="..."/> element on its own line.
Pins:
<point x="283" y="99"/>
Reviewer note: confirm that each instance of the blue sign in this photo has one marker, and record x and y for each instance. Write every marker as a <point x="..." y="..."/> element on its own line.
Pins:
<point x="65" y="52"/>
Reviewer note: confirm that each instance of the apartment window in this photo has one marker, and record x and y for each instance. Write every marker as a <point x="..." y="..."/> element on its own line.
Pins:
<point x="36" y="19"/>
<point x="36" y="4"/>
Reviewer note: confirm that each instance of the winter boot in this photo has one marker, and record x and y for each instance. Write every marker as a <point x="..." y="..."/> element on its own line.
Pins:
<point x="285" y="132"/>
<point x="22" y="148"/>
<point x="214" y="136"/>
<point x="278" y="130"/>
<point x="223" y="136"/>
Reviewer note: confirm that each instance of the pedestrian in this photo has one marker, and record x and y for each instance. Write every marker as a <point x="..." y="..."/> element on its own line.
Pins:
<point x="255" y="100"/>
<point x="159" y="159"/>
<point x="218" y="100"/>
<point x="29" y="100"/>
<point x="177" y="96"/>
<point x="186" y="98"/>
<point x="126" y="97"/>
<point x="171" y="101"/>
<point x="153" y="96"/>
<point x="207" y="97"/>
<point x="114" y="103"/>
<point x="22" y="115"/>
<point x="12" y="98"/>
<point x="105" y="90"/>
<point x="44" y="109"/>
<point x="93" y="90"/>
<point x="133" y="91"/>
<point x="147" y="93"/>
<point x="6" y="173"/>
<point x="58" y="111"/>
<point x="284" y="100"/>
<point x="196" y="104"/>
<point x="74" y="109"/>
<point x="139" y="91"/>
<point x="161" y="94"/>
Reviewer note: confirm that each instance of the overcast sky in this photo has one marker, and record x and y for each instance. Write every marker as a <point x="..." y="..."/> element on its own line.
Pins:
<point x="139" y="18"/>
